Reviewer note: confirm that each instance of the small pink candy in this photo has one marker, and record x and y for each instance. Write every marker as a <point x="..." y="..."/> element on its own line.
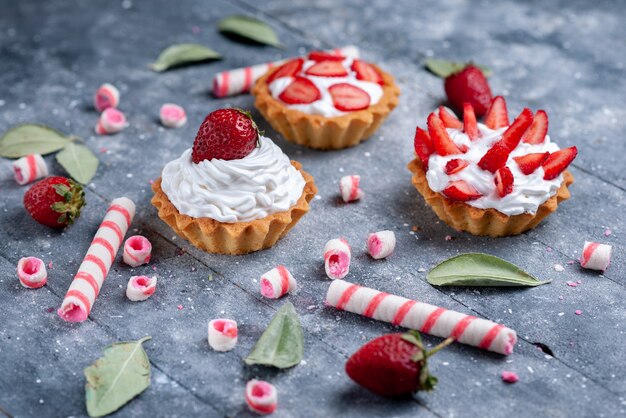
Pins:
<point x="172" y="115"/>
<point x="578" y="312"/>
<point x="261" y="397"/>
<point x="29" y="168"/>
<point x="381" y="244"/>
<point x="337" y="255"/>
<point x="571" y="284"/>
<point x="140" y="288"/>
<point x="137" y="251"/>
<point x="510" y="377"/>
<point x="32" y="272"/>
<point x="106" y="96"/>
<point x="349" y="188"/>
<point x="111" y="121"/>
<point x="607" y="232"/>
<point x="222" y="334"/>
<point x="596" y="256"/>
<point x="277" y="282"/>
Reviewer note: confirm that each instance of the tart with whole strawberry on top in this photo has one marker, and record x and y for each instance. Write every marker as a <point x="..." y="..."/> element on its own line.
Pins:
<point x="493" y="178"/>
<point x="326" y="100"/>
<point x="234" y="191"/>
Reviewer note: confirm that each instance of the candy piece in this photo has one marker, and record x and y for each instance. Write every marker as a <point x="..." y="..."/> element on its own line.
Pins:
<point x="140" y="287"/>
<point x="232" y="82"/>
<point x="349" y="188"/>
<point x="381" y="244"/>
<point x="222" y="334"/>
<point x="423" y="317"/>
<point x="106" y="96"/>
<point x="261" y="397"/>
<point x="172" y="115"/>
<point x="277" y="282"/>
<point x="111" y="121"/>
<point x="29" y="168"/>
<point x="86" y="285"/>
<point x="337" y="256"/>
<point x="137" y="251"/>
<point x="32" y="272"/>
<point x="596" y="256"/>
<point x="509" y="377"/>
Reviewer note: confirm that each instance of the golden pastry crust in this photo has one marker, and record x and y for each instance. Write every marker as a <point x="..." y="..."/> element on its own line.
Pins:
<point x="239" y="237"/>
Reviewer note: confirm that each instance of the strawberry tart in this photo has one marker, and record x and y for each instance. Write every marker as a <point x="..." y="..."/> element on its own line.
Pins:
<point x="326" y="100"/>
<point x="234" y="191"/>
<point x="491" y="178"/>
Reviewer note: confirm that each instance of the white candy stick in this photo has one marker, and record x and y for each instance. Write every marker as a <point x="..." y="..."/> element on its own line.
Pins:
<point x="172" y="115"/>
<point x="140" y="288"/>
<point x="32" y="272"/>
<point x="111" y="121"/>
<point x="137" y="251"/>
<point x="596" y="256"/>
<point x="277" y="282"/>
<point x="423" y="317"/>
<point x="381" y="244"/>
<point x="349" y="188"/>
<point x="337" y="257"/>
<point x="29" y="168"/>
<point x="222" y="334"/>
<point x="261" y="397"/>
<point x="106" y="96"/>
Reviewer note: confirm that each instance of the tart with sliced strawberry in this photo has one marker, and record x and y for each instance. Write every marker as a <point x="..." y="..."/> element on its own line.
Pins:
<point x="326" y="100"/>
<point x="493" y="178"/>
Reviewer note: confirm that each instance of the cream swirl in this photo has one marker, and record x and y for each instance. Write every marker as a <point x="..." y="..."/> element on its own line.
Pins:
<point x="260" y="184"/>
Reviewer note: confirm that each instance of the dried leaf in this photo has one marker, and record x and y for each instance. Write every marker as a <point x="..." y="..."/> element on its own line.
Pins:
<point x="79" y="162"/>
<point x="443" y="68"/>
<point x="27" y="139"/>
<point x="181" y="54"/>
<point x="249" y="28"/>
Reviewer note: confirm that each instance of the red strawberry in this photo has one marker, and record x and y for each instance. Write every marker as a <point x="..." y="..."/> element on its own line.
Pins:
<point x="449" y="120"/>
<point x="327" y="69"/>
<point x="55" y="201"/>
<point x="423" y="146"/>
<point x="504" y="181"/>
<point x="558" y="161"/>
<point x="393" y="365"/>
<point x="530" y="162"/>
<point x="441" y="140"/>
<point x="497" y="116"/>
<point x="348" y="98"/>
<point x="470" y="127"/>
<point x="225" y="134"/>
<point x="367" y="72"/>
<point x="461" y="191"/>
<point x="469" y="85"/>
<point x="512" y="136"/>
<point x="455" y="165"/>
<point x="300" y="91"/>
<point x="288" y="69"/>
<point x="325" y="56"/>
<point x="538" y="130"/>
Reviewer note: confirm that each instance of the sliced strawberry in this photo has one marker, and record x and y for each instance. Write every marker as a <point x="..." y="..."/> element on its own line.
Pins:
<point x="325" y="56"/>
<point x="497" y="116"/>
<point x="512" y="136"/>
<point x="288" y="69"/>
<point x="367" y="72"/>
<point x="495" y="158"/>
<point x="470" y="127"/>
<point x="348" y="98"/>
<point x="504" y="181"/>
<point x="449" y="119"/>
<point x="423" y="146"/>
<point x="327" y="69"/>
<point x="461" y="191"/>
<point x="441" y="140"/>
<point x="300" y="91"/>
<point x="538" y="130"/>
<point x="558" y="161"/>
<point x="530" y="162"/>
<point x="455" y="165"/>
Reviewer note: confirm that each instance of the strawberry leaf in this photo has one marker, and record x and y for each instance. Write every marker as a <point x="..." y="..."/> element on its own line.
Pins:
<point x="249" y="28"/>
<point x="79" y="162"/>
<point x="183" y="54"/>
<point x="443" y="68"/>
<point x="28" y="139"/>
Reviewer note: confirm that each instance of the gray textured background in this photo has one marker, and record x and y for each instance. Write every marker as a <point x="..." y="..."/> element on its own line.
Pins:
<point x="566" y="57"/>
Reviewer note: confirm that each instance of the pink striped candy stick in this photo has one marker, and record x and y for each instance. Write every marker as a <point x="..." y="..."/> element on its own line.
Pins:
<point x="29" y="168"/>
<point x="277" y="282"/>
<point x="595" y="256"/>
<point x="240" y="80"/>
<point x="87" y="283"/>
<point x="423" y="317"/>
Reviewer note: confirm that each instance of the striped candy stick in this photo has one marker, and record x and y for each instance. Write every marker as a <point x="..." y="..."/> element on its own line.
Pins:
<point x="240" y="80"/>
<point x="277" y="282"/>
<point x="29" y="168"/>
<point x="420" y="316"/>
<point x="87" y="283"/>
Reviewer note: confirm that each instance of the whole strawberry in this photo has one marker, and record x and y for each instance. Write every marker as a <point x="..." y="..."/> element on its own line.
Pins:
<point x="225" y="134"/>
<point x="394" y="365"/>
<point x="469" y="85"/>
<point x="55" y="201"/>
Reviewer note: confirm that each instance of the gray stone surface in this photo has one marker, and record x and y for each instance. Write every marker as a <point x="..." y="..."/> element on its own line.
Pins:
<point x="566" y="57"/>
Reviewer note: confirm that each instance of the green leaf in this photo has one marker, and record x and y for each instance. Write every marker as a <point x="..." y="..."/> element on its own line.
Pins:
<point x="181" y="54"/>
<point x="477" y="269"/>
<point x="79" y="162"/>
<point x="249" y="28"/>
<point x="282" y="343"/>
<point x="117" y="377"/>
<point x="27" y="139"/>
<point x="443" y="68"/>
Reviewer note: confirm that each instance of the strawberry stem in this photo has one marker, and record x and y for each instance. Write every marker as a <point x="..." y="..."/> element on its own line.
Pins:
<point x="438" y="347"/>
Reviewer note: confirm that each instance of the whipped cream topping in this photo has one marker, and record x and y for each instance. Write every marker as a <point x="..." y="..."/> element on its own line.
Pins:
<point x="260" y="184"/>
<point x="325" y="106"/>
<point x="529" y="191"/>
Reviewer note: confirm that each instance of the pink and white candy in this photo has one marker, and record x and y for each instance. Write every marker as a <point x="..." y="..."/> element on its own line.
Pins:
<point x="261" y="397"/>
<point x="381" y="244"/>
<point x="222" y="334"/>
<point x="111" y="121"/>
<point x="337" y="255"/>
<point x="140" y="288"/>
<point x="32" y="272"/>
<point x="137" y="251"/>
<point x="420" y="316"/>
<point x="596" y="256"/>
<point x="349" y="188"/>
<point x="277" y="282"/>
<point x="29" y="168"/>
<point x="172" y="115"/>
<point x="106" y="96"/>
